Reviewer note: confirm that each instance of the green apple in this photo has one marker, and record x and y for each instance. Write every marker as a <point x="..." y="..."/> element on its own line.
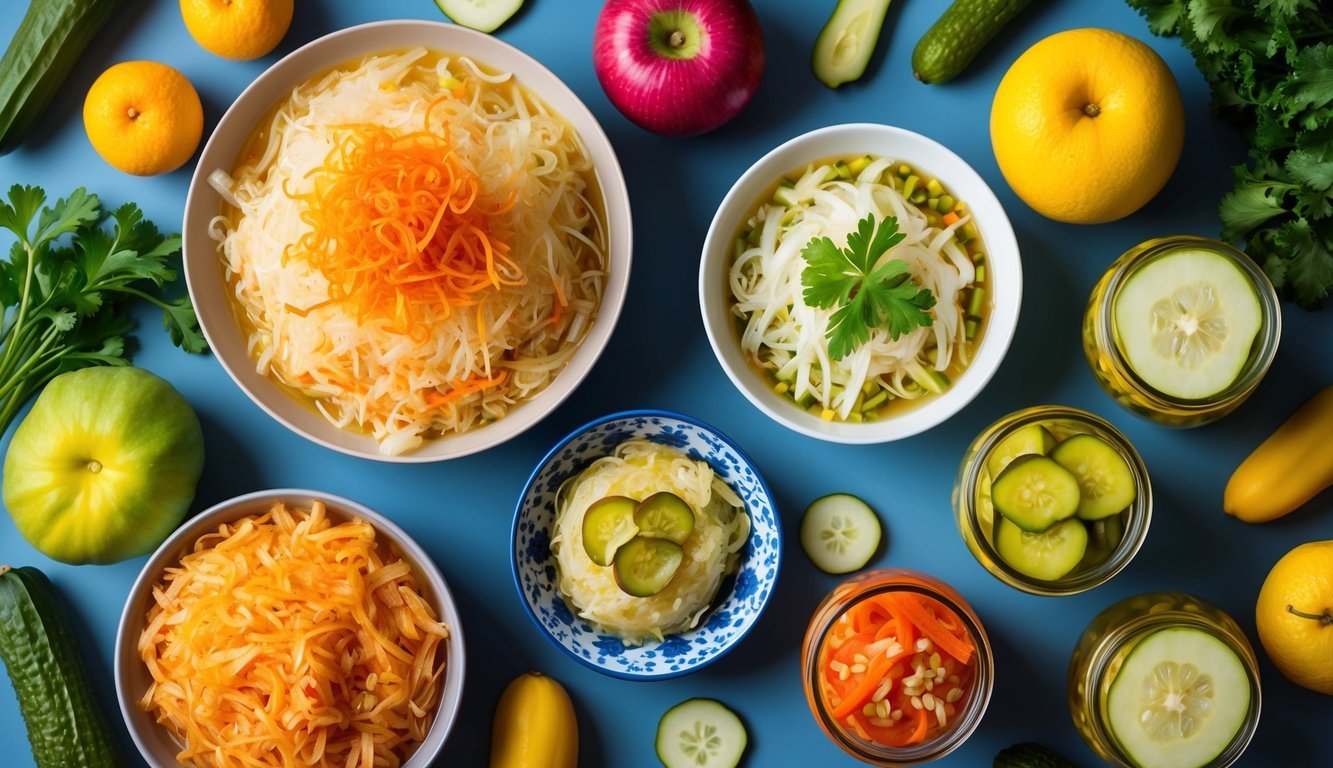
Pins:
<point x="104" y="466"/>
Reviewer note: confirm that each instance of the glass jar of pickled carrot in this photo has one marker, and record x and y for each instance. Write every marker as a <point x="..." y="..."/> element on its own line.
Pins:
<point x="896" y="667"/>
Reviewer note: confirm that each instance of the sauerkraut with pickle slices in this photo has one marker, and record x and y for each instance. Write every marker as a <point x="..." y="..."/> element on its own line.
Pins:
<point x="637" y="469"/>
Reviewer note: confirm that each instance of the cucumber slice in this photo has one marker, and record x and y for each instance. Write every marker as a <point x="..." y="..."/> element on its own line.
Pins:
<point x="1034" y="438"/>
<point x="847" y="41"/>
<point x="1105" y="482"/>
<point x="1108" y="532"/>
<point x="700" y="733"/>
<point x="665" y="515"/>
<point x="643" y="566"/>
<point x="1034" y="493"/>
<point x="607" y="524"/>
<point x="1179" y="699"/>
<point x="481" y="15"/>
<point x="1049" y="555"/>
<point x="840" y="533"/>
<point x="1186" y="323"/>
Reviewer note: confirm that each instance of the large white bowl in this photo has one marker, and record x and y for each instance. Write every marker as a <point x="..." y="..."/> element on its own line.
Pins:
<point x="208" y="288"/>
<point x="846" y="141"/>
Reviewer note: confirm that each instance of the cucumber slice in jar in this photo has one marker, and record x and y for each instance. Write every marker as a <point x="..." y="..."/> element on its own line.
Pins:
<point x="1034" y="438"/>
<point x="700" y="733"/>
<point x="643" y="566"/>
<point x="840" y="533"/>
<point x="607" y="524"/>
<point x="1186" y="323"/>
<point x="1049" y="555"/>
<point x="845" y="45"/>
<point x="1034" y="493"/>
<point x="1105" y="482"/>
<point x="665" y="515"/>
<point x="481" y="15"/>
<point x="1179" y="699"/>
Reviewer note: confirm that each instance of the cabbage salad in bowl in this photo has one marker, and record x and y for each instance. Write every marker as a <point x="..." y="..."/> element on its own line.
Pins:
<point x="643" y="540"/>
<point x="859" y="288"/>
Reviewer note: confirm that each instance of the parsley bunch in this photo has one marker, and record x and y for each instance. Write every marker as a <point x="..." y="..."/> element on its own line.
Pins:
<point x="867" y="296"/>
<point x="64" y="284"/>
<point x="1270" y="66"/>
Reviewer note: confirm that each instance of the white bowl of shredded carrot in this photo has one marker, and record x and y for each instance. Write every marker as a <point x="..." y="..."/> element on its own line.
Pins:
<point x="407" y="241"/>
<point x="289" y="627"/>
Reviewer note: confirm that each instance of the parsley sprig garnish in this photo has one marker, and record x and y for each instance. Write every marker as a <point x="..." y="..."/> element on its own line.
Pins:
<point x="868" y="294"/>
<point x="64" y="284"/>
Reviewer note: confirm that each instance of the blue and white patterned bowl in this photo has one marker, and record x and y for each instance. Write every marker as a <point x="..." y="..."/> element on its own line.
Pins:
<point x="739" y="602"/>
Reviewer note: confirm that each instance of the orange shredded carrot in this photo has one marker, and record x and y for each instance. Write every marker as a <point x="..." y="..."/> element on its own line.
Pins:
<point x="950" y="218"/>
<point x="930" y="627"/>
<point x="284" y="639"/>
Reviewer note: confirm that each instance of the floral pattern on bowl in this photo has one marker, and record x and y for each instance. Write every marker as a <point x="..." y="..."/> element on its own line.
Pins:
<point x="740" y="599"/>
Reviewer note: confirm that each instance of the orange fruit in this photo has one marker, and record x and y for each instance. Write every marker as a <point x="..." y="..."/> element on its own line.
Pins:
<point x="143" y="117"/>
<point x="1087" y="125"/>
<point x="1294" y="615"/>
<point x="237" y="29"/>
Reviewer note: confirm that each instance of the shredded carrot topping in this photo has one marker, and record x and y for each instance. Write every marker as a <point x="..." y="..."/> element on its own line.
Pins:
<point x="398" y="222"/>
<point x="286" y="640"/>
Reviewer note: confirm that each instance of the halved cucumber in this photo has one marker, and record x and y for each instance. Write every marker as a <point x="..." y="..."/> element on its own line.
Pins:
<point x="1049" y="555"/>
<point x="847" y="41"/>
<point x="481" y="15"/>
<point x="1034" y="438"/>
<point x="700" y="733"/>
<point x="1186" y="322"/>
<point x="1034" y="493"/>
<point x="1105" y="483"/>
<point x="1179" y="699"/>
<point x="607" y="524"/>
<point x="840" y="533"/>
<point x="665" y="515"/>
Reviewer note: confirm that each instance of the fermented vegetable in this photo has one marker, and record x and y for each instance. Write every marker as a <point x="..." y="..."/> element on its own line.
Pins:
<point x="959" y="35"/>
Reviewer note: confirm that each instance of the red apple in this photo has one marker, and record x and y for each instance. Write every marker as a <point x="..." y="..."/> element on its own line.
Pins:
<point x="678" y="67"/>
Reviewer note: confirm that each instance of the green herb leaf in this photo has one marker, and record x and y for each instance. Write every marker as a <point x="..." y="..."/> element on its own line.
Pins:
<point x="867" y="294"/>
<point x="1163" y="15"/>
<point x="1310" y="267"/>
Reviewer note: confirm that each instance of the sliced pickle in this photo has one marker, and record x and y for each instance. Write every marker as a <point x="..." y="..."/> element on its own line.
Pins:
<point x="644" y="566"/>
<point x="607" y="525"/>
<point x="665" y="516"/>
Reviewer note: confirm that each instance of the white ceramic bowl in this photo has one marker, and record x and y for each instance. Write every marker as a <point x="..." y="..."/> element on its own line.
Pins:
<point x="208" y="288"/>
<point x="845" y="141"/>
<point x="132" y="678"/>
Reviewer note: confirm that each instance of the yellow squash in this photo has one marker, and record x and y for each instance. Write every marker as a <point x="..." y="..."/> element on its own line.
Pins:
<point x="1287" y="469"/>
<point x="534" y="726"/>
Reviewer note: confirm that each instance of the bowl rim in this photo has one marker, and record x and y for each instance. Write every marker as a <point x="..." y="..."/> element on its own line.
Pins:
<point x="451" y="698"/>
<point x="613" y="296"/>
<point x="999" y="232"/>
<point x="560" y="446"/>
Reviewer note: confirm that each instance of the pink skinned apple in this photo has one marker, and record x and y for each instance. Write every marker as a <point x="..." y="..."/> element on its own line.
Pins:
<point x="679" y="67"/>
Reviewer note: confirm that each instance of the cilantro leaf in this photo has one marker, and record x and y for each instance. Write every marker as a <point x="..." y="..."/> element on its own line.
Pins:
<point x="867" y="294"/>
<point x="1163" y="15"/>
<point x="1310" y="268"/>
<point x="1311" y="81"/>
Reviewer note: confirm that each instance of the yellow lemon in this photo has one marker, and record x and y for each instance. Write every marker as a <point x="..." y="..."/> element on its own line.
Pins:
<point x="1087" y="125"/>
<point x="1294" y="615"/>
<point x="237" y="29"/>
<point x="143" y="117"/>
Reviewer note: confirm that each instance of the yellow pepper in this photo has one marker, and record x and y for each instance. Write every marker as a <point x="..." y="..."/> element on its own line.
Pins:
<point x="1287" y="469"/>
<point x="534" y="725"/>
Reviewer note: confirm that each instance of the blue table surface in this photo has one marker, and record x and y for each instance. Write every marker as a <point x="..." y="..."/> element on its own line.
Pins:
<point x="460" y="511"/>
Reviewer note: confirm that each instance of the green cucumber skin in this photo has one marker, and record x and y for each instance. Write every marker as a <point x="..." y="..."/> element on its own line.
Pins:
<point x="47" y="45"/>
<point x="65" y="726"/>
<point x="966" y="26"/>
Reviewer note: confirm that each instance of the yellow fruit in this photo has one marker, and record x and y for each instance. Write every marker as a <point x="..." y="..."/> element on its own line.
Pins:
<point x="1087" y="126"/>
<point x="143" y="117"/>
<point x="1295" y="616"/>
<point x="534" y="726"/>
<point x="1288" y="468"/>
<point x="237" y="29"/>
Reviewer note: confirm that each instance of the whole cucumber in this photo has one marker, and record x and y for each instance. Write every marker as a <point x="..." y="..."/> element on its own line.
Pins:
<point x="49" y="41"/>
<point x="65" y="726"/>
<point x="966" y="26"/>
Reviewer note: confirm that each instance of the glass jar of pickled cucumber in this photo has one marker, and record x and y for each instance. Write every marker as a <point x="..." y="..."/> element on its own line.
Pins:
<point x="1052" y="500"/>
<point x="1165" y="678"/>
<point x="897" y="668"/>
<point x="1181" y="329"/>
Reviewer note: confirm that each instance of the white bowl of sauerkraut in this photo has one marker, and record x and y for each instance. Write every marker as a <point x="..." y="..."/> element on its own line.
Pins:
<point x="869" y="341"/>
<point x="407" y="241"/>
<point x="728" y="559"/>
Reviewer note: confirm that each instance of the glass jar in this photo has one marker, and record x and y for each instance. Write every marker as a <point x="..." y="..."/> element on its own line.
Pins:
<point x="1113" y="635"/>
<point x="977" y="519"/>
<point x="1111" y="369"/>
<point x="968" y="708"/>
